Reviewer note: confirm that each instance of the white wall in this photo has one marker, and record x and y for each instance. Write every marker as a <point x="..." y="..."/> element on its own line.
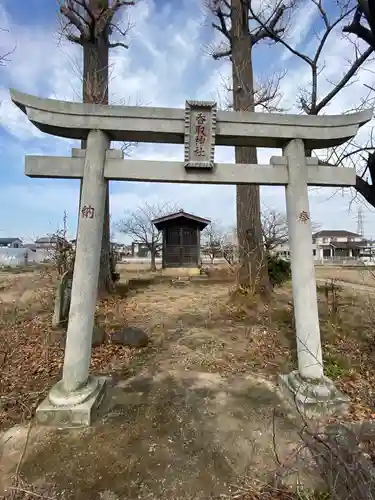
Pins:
<point x="40" y="255"/>
<point x="14" y="257"/>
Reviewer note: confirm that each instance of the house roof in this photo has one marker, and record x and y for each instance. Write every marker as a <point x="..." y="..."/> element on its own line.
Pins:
<point x="136" y="242"/>
<point x="53" y="238"/>
<point x="345" y="244"/>
<point x="335" y="233"/>
<point x="161" y="222"/>
<point x="8" y="241"/>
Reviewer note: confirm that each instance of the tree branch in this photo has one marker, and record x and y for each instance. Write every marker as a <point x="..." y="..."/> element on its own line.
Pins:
<point x="138" y="223"/>
<point x="117" y="44"/>
<point x="366" y="190"/>
<point x="97" y="23"/>
<point x="362" y="186"/>
<point x="74" y="38"/>
<point x="263" y="33"/>
<point x="274" y="229"/>
<point x="354" y="68"/>
<point x="223" y="27"/>
<point x="329" y="28"/>
<point x="4" y="57"/>
<point x="219" y="54"/>
<point x="107" y="15"/>
<point x="76" y="20"/>
<point x="83" y="3"/>
<point x="356" y="28"/>
<point x="273" y="35"/>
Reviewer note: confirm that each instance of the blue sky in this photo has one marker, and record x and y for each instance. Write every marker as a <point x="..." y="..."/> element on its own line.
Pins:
<point x="167" y="63"/>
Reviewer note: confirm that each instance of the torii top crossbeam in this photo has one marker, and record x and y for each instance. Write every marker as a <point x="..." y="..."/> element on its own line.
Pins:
<point x="167" y="125"/>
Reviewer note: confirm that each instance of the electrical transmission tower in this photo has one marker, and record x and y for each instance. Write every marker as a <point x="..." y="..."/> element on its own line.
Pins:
<point x="360" y="222"/>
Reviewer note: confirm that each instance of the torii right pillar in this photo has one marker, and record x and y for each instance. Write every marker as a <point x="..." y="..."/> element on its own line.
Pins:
<point x="309" y="390"/>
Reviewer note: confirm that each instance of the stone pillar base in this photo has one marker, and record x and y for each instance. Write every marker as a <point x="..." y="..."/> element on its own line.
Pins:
<point x="72" y="410"/>
<point x="313" y="398"/>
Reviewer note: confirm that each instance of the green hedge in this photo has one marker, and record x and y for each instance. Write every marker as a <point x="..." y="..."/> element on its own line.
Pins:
<point x="279" y="270"/>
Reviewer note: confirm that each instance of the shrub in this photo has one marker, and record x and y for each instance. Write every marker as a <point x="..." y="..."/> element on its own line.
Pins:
<point x="279" y="270"/>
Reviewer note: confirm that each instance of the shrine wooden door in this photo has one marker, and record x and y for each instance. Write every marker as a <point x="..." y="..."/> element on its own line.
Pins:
<point x="181" y="247"/>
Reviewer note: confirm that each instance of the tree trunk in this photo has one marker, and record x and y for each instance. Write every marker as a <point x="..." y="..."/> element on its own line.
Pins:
<point x="153" y="259"/>
<point x="95" y="90"/>
<point x="253" y="274"/>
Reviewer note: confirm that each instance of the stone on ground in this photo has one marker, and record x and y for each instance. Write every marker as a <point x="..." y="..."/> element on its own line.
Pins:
<point x="98" y="336"/>
<point x="130" y="336"/>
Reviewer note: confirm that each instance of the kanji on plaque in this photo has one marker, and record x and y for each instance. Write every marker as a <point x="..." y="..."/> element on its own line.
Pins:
<point x="88" y="212"/>
<point x="200" y="119"/>
<point x="200" y="134"/>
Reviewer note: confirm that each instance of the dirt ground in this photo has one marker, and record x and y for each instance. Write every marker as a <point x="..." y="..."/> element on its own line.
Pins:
<point x="176" y="434"/>
<point x="196" y="414"/>
<point x="361" y="275"/>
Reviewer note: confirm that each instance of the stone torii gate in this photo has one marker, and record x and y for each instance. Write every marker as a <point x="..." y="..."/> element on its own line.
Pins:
<point x="74" y="399"/>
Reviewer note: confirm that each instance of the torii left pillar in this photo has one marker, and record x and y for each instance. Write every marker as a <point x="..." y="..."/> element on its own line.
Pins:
<point x="76" y="397"/>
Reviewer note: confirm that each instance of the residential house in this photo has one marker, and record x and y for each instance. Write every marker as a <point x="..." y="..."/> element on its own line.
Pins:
<point x="338" y="244"/>
<point x="30" y="246"/>
<point x="50" y="242"/>
<point x="334" y="244"/>
<point x="139" y="249"/>
<point x="368" y="251"/>
<point x="10" y="243"/>
<point x="282" y="250"/>
<point x="121" y="251"/>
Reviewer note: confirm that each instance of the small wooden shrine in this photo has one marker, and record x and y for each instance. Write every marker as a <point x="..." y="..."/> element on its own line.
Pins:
<point x="181" y="239"/>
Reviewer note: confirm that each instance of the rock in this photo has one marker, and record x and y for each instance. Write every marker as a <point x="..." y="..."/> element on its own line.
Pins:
<point x="98" y="336"/>
<point x="131" y="336"/>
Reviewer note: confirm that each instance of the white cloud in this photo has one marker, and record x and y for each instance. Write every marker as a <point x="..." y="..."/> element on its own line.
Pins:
<point x="299" y="26"/>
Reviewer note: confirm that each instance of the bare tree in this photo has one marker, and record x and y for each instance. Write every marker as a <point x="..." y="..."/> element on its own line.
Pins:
<point x="361" y="156"/>
<point x="138" y="225"/>
<point x="213" y="240"/>
<point x="274" y="229"/>
<point x="241" y="34"/>
<point x="310" y="100"/>
<point x="62" y="251"/>
<point x="91" y="23"/>
<point x="364" y="10"/>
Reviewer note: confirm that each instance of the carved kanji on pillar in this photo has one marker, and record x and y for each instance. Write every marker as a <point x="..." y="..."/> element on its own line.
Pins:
<point x="303" y="216"/>
<point x="88" y="212"/>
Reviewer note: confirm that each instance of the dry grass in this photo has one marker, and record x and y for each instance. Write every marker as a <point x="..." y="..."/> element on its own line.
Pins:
<point x="195" y="329"/>
<point x="214" y="333"/>
<point x="129" y="271"/>
<point x="360" y="275"/>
